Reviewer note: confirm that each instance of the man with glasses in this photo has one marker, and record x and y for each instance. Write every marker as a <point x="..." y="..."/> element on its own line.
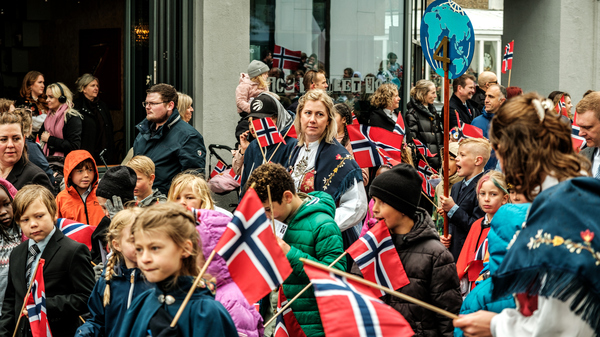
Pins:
<point x="485" y="79"/>
<point x="173" y="145"/>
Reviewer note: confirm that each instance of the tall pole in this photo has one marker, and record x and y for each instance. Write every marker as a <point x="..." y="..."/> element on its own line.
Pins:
<point x="446" y="142"/>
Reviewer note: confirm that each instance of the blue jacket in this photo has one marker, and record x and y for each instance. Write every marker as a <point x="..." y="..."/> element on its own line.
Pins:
<point x="203" y="316"/>
<point x="36" y="156"/>
<point x="175" y="147"/>
<point x="105" y="321"/>
<point x="506" y="222"/>
<point x="483" y="122"/>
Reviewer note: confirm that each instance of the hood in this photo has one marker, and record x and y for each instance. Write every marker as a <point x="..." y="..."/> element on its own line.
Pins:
<point x="314" y="202"/>
<point x="284" y="118"/>
<point x="486" y="114"/>
<point x="507" y="221"/>
<point x="73" y="159"/>
<point x="424" y="229"/>
<point x="245" y="78"/>
<point x="211" y="225"/>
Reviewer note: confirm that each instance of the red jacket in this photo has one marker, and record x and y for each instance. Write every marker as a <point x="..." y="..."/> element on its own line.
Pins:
<point x="464" y="265"/>
<point x="70" y="203"/>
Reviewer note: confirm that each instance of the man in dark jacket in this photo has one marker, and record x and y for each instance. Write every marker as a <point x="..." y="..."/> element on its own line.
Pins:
<point x="485" y="79"/>
<point x="172" y="144"/>
<point x="588" y="119"/>
<point x="494" y="98"/>
<point x="464" y="88"/>
<point x="429" y="266"/>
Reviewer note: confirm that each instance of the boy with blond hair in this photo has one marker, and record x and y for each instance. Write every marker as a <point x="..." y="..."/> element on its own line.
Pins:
<point x="143" y="192"/>
<point x="68" y="273"/>
<point x="462" y="206"/>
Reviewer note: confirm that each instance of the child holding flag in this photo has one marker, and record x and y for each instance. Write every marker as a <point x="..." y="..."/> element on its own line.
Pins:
<point x="68" y="273"/>
<point x="169" y="254"/>
<point x="309" y="231"/>
<point x="428" y="264"/>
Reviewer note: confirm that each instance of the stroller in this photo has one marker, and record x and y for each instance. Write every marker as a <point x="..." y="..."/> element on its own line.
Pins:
<point x="225" y="186"/>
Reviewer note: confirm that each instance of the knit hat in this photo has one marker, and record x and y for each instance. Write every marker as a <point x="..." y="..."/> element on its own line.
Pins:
<point x="400" y="188"/>
<point x="264" y="105"/>
<point x="12" y="191"/>
<point x="256" y="68"/>
<point x="118" y="180"/>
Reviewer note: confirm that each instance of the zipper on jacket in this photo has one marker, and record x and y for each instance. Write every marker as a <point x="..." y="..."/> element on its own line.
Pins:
<point x="84" y="207"/>
<point x="132" y="280"/>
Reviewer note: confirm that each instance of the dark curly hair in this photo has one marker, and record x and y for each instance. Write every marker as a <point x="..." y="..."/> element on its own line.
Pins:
<point x="343" y="110"/>
<point x="531" y="149"/>
<point x="276" y="177"/>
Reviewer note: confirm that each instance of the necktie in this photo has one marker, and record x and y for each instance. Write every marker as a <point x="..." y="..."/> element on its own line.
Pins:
<point x="33" y="252"/>
<point x="597" y="176"/>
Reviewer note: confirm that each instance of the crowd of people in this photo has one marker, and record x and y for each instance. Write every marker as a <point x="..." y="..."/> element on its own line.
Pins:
<point x="520" y="257"/>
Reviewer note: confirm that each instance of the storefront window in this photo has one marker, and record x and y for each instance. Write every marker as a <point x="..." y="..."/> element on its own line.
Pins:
<point x="359" y="44"/>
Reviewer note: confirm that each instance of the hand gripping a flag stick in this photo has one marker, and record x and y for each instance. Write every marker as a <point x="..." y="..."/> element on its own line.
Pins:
<point x="25" y="299"/>
<point x="284" y="308"/>
<point x="384" y="289"/>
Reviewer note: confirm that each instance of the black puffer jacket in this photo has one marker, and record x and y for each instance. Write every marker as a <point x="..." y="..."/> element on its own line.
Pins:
<point x="433" y="279"/>
<point x="97" y="128"/>
<point x="425" y="124"/>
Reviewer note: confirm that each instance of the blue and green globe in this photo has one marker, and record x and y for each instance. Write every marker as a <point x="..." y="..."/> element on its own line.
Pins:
<point x="447" y="18"/>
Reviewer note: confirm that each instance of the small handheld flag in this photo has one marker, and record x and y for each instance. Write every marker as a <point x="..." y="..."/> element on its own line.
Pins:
<point x="508" y="57"/>
<point x="236" y="177"/>
<point x="365" y="141"/>
<point x="285" y="58"/>
<point x="266" y="132"/>
<point x="77" y="231"/>
<point x="219" y="168"/>
<point x="287" y="325"/>
<point x="36" y="304"/>
<point x="255" y="260"/>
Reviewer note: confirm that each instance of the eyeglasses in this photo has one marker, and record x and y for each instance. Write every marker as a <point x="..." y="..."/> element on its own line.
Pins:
<point x="152" y="104"/>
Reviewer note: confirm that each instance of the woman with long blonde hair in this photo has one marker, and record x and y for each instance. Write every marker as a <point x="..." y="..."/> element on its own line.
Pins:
<point x="62" y="127"/>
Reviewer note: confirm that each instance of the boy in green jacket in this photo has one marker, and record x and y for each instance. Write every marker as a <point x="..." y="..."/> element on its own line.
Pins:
<point x="309" y="231"/>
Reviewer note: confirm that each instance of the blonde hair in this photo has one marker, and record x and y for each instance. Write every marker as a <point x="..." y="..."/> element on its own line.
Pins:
<point x="262" y="83"/>
<point x="25" y="115"/>
<point x="330" y="129"/>
<point x="420" y="90"/>
<point x="142" y="164"/>
<point x="184" y="102"/>
<point x="384" y="95"/>
<point x="30" y="193"/>
<point x="55" y="89"/>
<point x="196" y="183"/>
<point x="5" y="104"/>
<point x="481" y="147"/>
<point x="179" y="225"/>
<point x="84" y="81"/>
<point x="121" y="220"/>
<point x="495" y="177"/>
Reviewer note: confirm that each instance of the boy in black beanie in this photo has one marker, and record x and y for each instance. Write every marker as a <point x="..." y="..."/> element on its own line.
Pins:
<point x="428" y="264"/>
<point x="114" y="190"/>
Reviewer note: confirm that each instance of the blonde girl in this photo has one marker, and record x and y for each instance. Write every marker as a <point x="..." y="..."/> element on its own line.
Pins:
<point x="169" y="254"/>
<point x="121" y="281"/>
<point x="192" y="191"/>
<point x="251" y="84"/>
<point x="62" y="127"/>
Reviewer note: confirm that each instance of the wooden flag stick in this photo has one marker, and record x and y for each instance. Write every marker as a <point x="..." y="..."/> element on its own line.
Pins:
<point x="26" y="296"/>
<point x="271" y="207"/>
<point x="81" y="318"/>
<point x="192" y="289"/>
<point x="277" y="148"/>
<point x="382" y="288"/>
<point x="300" y="293"/>
<point x="426" y="197"/>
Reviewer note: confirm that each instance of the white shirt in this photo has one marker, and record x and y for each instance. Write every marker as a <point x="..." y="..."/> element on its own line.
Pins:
<point x="391" y="114"/>
<point x="596" y="162"/>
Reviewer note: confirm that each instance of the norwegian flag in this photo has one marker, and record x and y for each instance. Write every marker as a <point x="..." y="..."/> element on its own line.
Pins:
<point x="561" y="107"/>
<point x="389" y="160"/>
<point x="508" y="57"/>
<point x="36" y="304"/>
<point x="363" y="315"/>
<point x="579" y="143"/>
<point x="219" y="168"/>
<point x="236" y="177"/>
<point x="465" y="131"/>
<point x="256" y="263"/>
<point x="287" y="325"/>
<point x="376" y="256"/>
<point x="285" y="58"/>
<point x="354" y="119"/>
<point x="266" y="132"/>
<point x="292" y="132"/>
<point x="399" y="126"/>
<point x="77" y="231"/>
<point x="365" y="141"/>
<point x="425" y="171"/>
<point x="423" y="148"/>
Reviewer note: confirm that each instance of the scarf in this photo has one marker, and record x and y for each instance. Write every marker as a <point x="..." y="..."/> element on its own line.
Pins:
<point x="556" y="254"/>
<point x="54" y="124"/>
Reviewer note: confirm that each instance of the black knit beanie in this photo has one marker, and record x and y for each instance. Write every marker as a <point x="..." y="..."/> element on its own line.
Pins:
<point x="118" y="180"/>
<point x="400" y="188"/>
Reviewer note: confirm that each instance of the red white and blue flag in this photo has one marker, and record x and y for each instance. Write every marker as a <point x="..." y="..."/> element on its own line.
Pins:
<point x="77" y="231"/>
<point x="292" y="132"/>
<point x="266" y="132"/>
<point x="508" y="57"/>
<point x="376" y="256"/>
<point x="561" y="107"/>
<point x="347" y="308"/>
<point x="399" y="126"/>
<point x="423" y="148"/>
<point x="365" y="141"/>
<point x="389" y="160"/>
<point x="36" y="304"/>
<point x="354" y="119"/>
<point x="425" y="171"/>
<point x="465" y="131"/>
<point x="235" y="177"/>
<point x="256" y="262"/>
<point x="287" y="325"/>
<point x="219" y="168"/>
<point x="579" y="143"/>
<point x="285" y="58"/>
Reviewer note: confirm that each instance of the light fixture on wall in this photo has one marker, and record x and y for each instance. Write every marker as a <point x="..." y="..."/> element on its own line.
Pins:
<point x="142" y="33"/>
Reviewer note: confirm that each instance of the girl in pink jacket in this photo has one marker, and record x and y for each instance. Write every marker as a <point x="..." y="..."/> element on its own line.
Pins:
<point x="251" y="84"/>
